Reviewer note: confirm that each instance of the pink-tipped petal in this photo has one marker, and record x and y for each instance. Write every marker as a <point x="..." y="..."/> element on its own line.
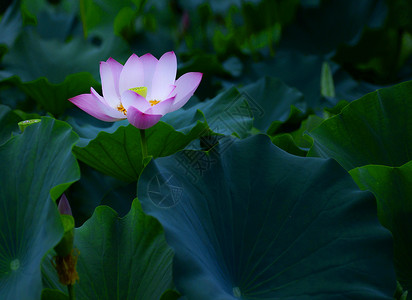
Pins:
<point x="186" y="85"/>
<point x="130" y="98"/>
<point x="97" y="95"/>
<point x="132" y="75"/>
<point x="110" y="93"/>
<point x="64" y="206"/>
<point x="141" y="120"/>
<point x="149" y="66"/>
<point x="116" y="68"/>
<point x="161" y="108"/>
<point x="164" y="76"/>
<point x="93" y="106"/>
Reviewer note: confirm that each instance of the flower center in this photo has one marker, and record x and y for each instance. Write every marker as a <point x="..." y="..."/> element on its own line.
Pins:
<point x="141" y="90"/>
<point x="121" y="108"/>
<point x="154" y="102"/>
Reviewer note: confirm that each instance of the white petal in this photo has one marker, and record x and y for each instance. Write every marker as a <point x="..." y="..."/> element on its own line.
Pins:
<point x="116" y="68"/>
<point x="110" y="94"/>
<point x="149" y="67"/>
<point x="164" y="76"/>
<point x="186" y="85"/>
<point x="132" y="75"/>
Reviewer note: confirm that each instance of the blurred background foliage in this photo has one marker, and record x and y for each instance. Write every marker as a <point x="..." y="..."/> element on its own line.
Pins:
<point x="366" y="44"/>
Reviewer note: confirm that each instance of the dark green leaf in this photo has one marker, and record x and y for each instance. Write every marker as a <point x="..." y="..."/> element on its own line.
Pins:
<point x="37" y="167"/>
<point x="125" y="258"/>
<point x="170" y="295"/>
<point x="259" y="223"/>
<point x="392" y="187"/>
<point x="285" y="142"/>
<point x="230" y="112"/>
<point x="49" y="294"/>
<point x="54" y="97"/>
<point x="119" y="154"/>
<point x="374" y="129"/>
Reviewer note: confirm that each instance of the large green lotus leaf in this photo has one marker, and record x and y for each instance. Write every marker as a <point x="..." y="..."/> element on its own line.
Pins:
<point x="259" y="223"/>
<point x="52" y="97"/>
<point x="119" y="154"/>
<point x="392" y="187"/>
<point x="374" y="129"/>
<point x="37" y="167"/>
<point x="8" y="123"/>
<point x="120" y="258"/>
<point x="270" y="100"/>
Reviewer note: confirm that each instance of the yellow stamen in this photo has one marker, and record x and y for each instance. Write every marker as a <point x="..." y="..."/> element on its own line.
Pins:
<point x="122" y="109"/>
<point x="142" y="91"/>
<point x="66" y="267"/>
<point x="154" y="102"/>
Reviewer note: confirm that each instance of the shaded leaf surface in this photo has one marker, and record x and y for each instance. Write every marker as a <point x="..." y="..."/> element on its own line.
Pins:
<point x="270" y="100"/>
<point x="262" y="224"/>
<point x="39" y="168"/>
<point x="374" y="129"/>
<point x="119" y="154"/>
<point x="8" y="123"/>
<point x="125" y="258"/>
<point x="392" y="187"/>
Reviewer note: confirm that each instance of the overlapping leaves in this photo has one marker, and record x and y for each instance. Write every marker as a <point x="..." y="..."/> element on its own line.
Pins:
<point x="40" y="166"/>
<point x="119" y="153"/>
<point x="120" y="258"/>
<point x="371" y="137"/>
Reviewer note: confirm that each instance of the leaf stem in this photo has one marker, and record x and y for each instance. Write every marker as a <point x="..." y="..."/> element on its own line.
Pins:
<point x="70" y="288"/>
<point x="144" y="143"/>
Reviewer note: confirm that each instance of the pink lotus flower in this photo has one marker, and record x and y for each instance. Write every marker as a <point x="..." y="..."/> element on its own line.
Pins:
<point x="143" y="90"/>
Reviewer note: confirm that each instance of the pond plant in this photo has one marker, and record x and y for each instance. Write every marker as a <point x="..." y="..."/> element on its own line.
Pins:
<point x="205" y="150"/>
